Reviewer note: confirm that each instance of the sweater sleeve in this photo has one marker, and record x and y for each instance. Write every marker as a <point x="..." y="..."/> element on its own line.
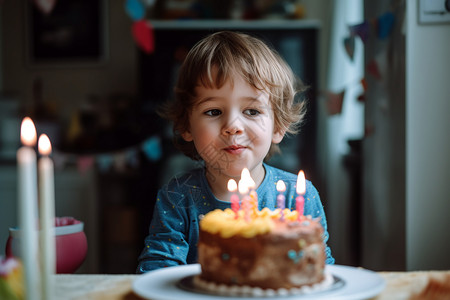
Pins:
<point x="166" y="243"/>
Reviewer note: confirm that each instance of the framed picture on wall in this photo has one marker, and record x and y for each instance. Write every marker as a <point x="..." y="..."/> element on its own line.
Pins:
<point x="73" y="33"/>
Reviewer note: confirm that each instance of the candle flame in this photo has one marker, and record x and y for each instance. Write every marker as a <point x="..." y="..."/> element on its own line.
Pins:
<point x="44" y="145"/>
<point x="245" y="175"/>
<point x="251" y="183"/>
<point x="301" y="183"/>
<point x="281" y="186"/>
<point x="28" y="132"/>
<point x="232" y="185"/>
<point x="243" y="187"/>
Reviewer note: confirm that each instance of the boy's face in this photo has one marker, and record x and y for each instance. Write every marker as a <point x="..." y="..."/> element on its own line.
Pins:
<point x="232" y="128"/>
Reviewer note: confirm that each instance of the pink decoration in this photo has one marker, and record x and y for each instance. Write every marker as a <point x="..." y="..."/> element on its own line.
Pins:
<point x="143" y="36"/>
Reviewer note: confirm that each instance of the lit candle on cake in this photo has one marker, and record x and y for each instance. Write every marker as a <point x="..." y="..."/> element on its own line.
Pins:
<point x="47" y="216"/>
<point x="301" y="189"/>
<point x="252" y="193"/>
<point x="281" y="199"/>
<point x="27" y="193"/>
<point x="232" y="187"/>
<point x="246" y="205"/>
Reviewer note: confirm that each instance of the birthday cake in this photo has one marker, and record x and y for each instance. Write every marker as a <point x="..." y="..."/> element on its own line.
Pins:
<point x="268" y="253"/>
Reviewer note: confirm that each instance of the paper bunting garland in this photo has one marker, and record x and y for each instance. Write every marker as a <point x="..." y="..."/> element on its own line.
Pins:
<point x="118" y="160"/>
<point x="104" y="162"/>
<point x="361" y="30"/>
<point x="131" y="156"/>
<point x="85" y="163"/>
<point x="152" y="148"/>
<point x="143" y="36"/>
<point x="372" y="68"/>
<point x="349" y="44"/>
<point x="385" y="23"/>
<point x="142" y="30"/>
<point x="335" y="102"/>
<point x="382" y="26"/>
<point x="135" y="9"/>
<point x="363" y="82"/>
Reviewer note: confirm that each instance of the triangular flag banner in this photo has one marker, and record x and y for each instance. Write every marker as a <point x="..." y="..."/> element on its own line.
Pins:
<point x="143" y="36"/>
<point x="381" y="60"/>
<point x="131" y="156"/>
<point x="364" y="84"/>
<point x="368" y="130"/>
<point x="361" y="98"/>
<point x="84" y="163"/>
<point x="349" y="44"/>
<point x="104" y="162"/>
<point x="45" y="6"/>
<point x="385" y="23"/>
<point x="372" y="68"/>
<point x="361" y="30"/>
<point x="120" y="161"/>
<point x="152" y="148"/>
<point x="135" y="9"/>
<point x="59" y="160"/>
<point x="334" y="102"/>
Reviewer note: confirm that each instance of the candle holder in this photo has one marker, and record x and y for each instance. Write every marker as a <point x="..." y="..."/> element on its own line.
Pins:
<point x="70" y="240"/>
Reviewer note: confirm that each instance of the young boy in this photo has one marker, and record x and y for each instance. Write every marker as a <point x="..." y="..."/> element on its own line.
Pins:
<point x="234" y="104"/>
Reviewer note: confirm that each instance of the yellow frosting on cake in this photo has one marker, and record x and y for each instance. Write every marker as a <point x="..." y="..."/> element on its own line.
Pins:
<point x="225" y="223"/>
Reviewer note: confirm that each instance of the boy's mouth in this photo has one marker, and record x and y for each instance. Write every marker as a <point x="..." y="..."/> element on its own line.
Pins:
<point x="235" y="149"/>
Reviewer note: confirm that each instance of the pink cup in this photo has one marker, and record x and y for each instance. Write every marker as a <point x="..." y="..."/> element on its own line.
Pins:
<point x="71" y="244"/>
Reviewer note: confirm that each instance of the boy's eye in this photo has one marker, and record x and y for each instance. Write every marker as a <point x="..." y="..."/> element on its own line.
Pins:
<point x="251" y="112"/>
<point x="213" y="112"/>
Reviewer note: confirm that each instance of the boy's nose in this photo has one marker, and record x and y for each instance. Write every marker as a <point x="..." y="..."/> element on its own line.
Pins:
<point x="233" y="130"/>
<point x="232" y="127"/>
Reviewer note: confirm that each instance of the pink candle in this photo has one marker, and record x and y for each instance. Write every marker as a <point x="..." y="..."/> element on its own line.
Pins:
<point x="232" y="187"/>
<point x="301" y="189"/>
<point x="281" y="199"/>
<point x="246" y="205"/>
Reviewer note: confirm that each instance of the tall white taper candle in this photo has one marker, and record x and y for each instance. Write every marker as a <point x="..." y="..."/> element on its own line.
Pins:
<point x="27" y="193"/>
<point x="47" y="217"/>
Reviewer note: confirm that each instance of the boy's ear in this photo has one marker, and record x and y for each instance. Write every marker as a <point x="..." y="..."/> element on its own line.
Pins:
<point x="278" y="136"/>
<point x="187" y="136"/>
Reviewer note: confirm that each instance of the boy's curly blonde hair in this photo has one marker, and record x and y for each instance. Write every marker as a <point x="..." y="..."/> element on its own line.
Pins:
<point x="235" y="53"/>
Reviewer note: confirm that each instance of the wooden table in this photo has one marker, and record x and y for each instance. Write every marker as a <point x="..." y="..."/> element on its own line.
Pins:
<point x="399" y="285"/>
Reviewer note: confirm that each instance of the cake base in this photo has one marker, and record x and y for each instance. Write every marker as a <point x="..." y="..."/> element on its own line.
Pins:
<point x="236" y="290"/>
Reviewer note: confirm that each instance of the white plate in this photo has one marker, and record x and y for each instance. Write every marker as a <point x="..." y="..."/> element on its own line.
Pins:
<point x="162" y="284"/>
